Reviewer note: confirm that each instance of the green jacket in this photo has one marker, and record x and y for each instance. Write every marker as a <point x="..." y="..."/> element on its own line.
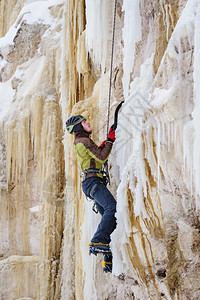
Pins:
<point x="89" y="155"/>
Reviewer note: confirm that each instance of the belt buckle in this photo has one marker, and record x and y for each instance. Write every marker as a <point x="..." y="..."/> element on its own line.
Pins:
<point x="83" y="175"/>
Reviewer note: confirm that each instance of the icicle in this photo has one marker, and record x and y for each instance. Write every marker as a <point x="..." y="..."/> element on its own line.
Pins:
<point x="196" y="112"/>
<point x="163" y="132"/>
<point x="97" y="29"/>
<point x="131" y="35"/>
<point x="158" y="156"/>
<point x="167" y="15"/>
<point x="188" y="144"/>
<point x="170" y="14"/>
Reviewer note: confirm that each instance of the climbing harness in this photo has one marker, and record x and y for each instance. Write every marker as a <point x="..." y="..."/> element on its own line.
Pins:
<point x="106" y="177"/>
<point x="94" y="187"/>
<point x="92" y="191"/>
<point x="91" y="198"/>
<point x="87" y="171"/>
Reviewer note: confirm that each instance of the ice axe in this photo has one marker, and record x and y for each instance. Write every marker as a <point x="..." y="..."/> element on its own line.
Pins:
<point x="114" y="126"/>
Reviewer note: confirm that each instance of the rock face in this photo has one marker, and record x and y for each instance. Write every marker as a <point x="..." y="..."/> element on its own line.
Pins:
<point x="55" y="61"/>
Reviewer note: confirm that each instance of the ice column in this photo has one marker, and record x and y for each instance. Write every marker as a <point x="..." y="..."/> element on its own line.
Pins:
<point x="97" y="30"/>
<point x="196" y="112"/>
<point x="131" y="35"/>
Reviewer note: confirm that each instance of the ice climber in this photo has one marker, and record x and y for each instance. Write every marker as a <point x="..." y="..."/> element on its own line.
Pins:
<point x="91" y="158"/>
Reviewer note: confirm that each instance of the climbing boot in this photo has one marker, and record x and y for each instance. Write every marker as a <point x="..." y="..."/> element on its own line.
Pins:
<point x="107" y="263"/>
<point x="95" y="248"/>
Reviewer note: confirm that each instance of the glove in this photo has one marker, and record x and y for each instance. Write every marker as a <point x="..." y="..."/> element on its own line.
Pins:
<point x="102" y="144"/>
<point x="111" y="135"/>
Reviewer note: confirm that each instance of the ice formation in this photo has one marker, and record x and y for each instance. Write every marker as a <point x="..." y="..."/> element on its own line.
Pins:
<point x="131" y="35"/>
<point x="54" y="62"/>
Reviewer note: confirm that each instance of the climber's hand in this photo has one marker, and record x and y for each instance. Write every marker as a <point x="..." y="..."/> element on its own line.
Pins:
<point x="111" y="134"/>
<point x="102" y="144"/>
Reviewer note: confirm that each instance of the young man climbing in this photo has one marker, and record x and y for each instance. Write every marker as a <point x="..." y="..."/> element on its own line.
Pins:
<point x="91" y="158"/>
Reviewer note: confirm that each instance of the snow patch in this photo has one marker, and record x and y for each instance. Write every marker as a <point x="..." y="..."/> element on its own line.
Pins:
<point x="35" y="208"/>
<point x="7" y="94"/>
<point x="35" y="12"/>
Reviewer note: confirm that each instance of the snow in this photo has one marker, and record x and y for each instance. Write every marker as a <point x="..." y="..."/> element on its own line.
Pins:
<point x="7" y="95"/>
<point x="39" y="11"/>
<point x="35" y="12"/>
<point x="35" y="208"/>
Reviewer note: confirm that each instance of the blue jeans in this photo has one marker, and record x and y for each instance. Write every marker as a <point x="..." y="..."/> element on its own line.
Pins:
<point x="106" y="205"/>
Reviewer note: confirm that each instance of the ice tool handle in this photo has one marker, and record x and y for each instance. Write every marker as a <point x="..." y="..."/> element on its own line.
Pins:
<point x="114" y="126"/>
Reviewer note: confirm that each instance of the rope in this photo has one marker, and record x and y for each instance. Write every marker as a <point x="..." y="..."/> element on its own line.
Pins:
<point x="111" y="65"/>
<point x="105" y="166"/>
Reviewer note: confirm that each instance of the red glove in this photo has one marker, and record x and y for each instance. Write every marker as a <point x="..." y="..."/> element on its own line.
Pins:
<point x="111" y="134"/>
<point x="102" y="144"/>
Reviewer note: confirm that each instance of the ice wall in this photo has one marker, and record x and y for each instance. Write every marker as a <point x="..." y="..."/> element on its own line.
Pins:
<point x="9" y="14"/>
<point x="157" y="123"/>
<point x="54" y="62"/>
<point x="32" y="156"/>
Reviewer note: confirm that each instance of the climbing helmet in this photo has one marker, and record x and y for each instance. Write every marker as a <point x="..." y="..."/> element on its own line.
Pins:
<point x="73" y="121"/>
